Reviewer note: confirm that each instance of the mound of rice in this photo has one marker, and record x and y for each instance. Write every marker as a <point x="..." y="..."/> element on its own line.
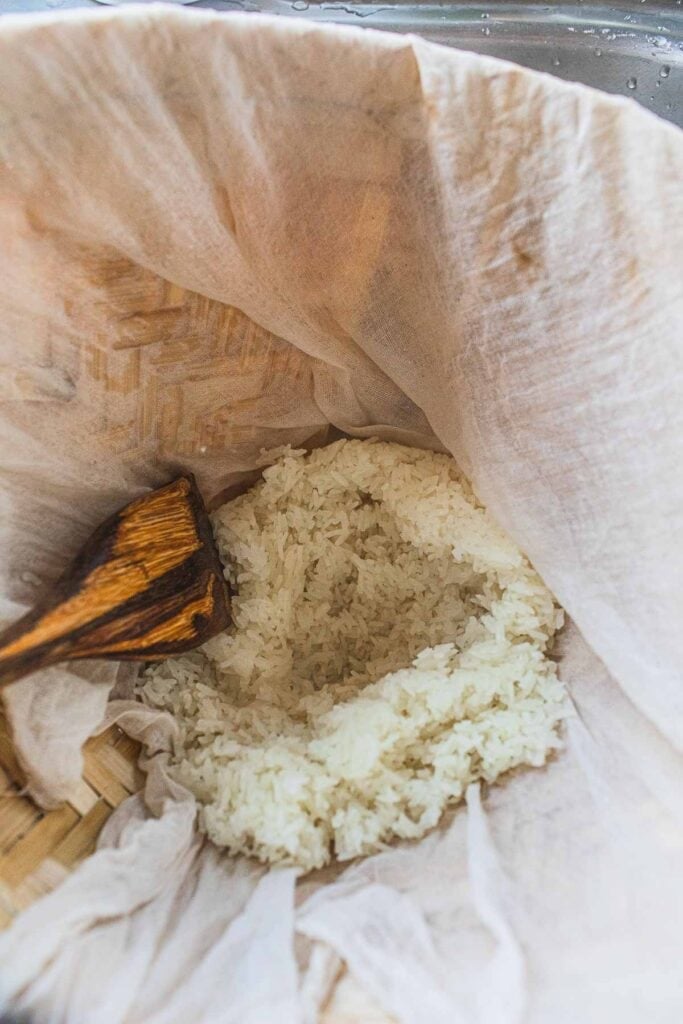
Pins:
<point x="388" y="648"/>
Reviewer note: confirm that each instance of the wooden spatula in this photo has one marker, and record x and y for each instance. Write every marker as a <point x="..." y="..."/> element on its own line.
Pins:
<point x="146" y="585"/>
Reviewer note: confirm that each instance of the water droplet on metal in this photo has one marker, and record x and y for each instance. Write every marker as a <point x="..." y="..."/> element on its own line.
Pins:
<point x="484" y="15"/>
<point x="664" y="71"/>
<point x="556" y="62"/>
<point x="300" y="5"/>
<point x="632" y="83"/>
<point x="486" y="31"/>
<point x="598" y="52"/>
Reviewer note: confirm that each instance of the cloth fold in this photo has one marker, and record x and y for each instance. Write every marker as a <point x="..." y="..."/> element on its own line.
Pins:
<point x="221" y="234"/>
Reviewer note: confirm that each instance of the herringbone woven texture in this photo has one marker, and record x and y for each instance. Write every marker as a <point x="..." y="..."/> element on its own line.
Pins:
<point x="38" y="849"/>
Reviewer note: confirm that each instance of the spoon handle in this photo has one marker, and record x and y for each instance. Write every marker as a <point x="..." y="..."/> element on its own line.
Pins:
<point x="20" y="651"/>
<point x="146" y="585"/>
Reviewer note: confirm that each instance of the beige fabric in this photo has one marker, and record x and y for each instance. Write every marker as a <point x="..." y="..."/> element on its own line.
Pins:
<point x="220" y="234"/>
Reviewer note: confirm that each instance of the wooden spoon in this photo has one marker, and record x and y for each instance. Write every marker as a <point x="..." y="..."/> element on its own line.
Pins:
<point x="146" y="585"/>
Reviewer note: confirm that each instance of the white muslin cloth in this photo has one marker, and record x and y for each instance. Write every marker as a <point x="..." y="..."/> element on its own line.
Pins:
<point x="224" y="233"/>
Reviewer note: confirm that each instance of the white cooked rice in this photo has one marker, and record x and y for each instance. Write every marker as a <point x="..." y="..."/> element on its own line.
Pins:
<point x="388" y="648"/>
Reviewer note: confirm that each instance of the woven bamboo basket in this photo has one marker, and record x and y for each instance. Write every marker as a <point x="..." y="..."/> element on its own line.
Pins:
<point x="38" y="848"/>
